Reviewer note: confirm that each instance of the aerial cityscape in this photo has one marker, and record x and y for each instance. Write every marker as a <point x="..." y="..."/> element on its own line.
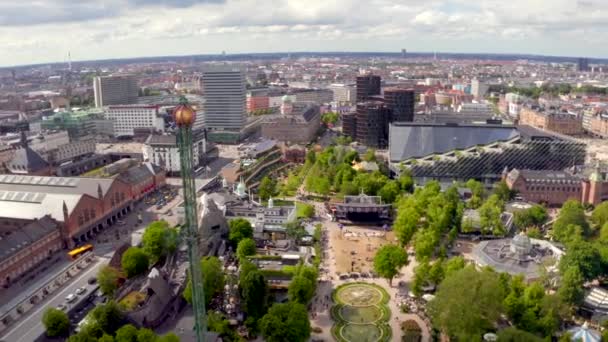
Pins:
<point x="313" y="186"/>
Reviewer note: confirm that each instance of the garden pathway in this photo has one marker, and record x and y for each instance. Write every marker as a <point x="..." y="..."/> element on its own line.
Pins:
<point x="321" y="303"/>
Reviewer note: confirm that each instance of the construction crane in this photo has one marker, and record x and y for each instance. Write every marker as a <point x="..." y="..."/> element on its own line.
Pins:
<point x="184" y="119"/>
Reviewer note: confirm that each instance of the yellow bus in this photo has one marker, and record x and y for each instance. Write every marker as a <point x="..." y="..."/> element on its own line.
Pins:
<point x="76" y="252"/>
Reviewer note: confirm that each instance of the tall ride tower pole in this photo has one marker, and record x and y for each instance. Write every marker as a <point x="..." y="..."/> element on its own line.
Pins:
<point x="184" y="118"/>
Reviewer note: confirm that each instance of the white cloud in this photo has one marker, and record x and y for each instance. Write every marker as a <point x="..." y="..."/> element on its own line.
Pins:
<point x="44" y="30"/>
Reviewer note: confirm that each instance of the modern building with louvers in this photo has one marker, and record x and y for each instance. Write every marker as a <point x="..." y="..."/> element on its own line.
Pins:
<point x="450" y="152"/>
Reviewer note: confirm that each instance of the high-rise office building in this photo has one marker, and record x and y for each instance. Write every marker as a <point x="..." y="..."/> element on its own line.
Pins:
<point x="367" y="86"/>
<point x="478" y="89"/>
<point x="115" y="90"/>
<point x="583" y="64"/>
<point x="372" y="124"/>
<point x="401" y="103"/>
<point x="225" y="102"/>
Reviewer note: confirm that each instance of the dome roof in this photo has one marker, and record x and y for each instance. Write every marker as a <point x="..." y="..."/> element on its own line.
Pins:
<point x="241" y="189"/>
<point x="286" y="98"/>
<point x="521" y="244"/>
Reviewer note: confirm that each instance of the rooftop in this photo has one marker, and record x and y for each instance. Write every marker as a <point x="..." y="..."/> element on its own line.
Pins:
<point x="416" y="140"/>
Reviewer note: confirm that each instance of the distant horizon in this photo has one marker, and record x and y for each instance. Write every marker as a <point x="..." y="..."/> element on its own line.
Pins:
<point x="335" y="53"/>
<point x="44" y="31"/>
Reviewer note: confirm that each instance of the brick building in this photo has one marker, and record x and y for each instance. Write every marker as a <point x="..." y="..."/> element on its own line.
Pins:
<point x="25" y="244"/>
<point x="550" y="120"/>
<point x="257" y="102"/>
<point x="82" y="206"/>
<point x="556" y="187"/>
<point x="300" y="125"/>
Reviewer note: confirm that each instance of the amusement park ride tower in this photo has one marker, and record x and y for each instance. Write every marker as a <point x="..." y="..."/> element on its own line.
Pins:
<point x="184" y="118"/>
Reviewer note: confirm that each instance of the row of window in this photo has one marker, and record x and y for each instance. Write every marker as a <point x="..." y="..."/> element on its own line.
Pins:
<point x="553" y="188"/>
<point x="31" y="260"/>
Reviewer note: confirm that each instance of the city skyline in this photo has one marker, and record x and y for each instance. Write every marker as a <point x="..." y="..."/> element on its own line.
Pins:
<point x="45" y="31"/>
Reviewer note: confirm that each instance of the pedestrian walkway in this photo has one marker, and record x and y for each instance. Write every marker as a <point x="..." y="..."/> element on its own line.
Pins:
<point x="321" y="303"/>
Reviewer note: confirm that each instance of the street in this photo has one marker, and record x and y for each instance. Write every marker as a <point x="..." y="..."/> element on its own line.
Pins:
<point x="31" y="327"/>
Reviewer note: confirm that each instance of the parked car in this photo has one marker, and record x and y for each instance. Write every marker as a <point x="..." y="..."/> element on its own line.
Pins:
<point x="71" y="298"/>
<point x="62" y="307"/>
<point x="81" y="291"/>
<point x="121" y="223"/>
<point x="92" y="280"/>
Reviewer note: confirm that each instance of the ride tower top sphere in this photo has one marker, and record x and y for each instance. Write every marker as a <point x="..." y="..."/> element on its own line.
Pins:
<point x="183" y="114"/>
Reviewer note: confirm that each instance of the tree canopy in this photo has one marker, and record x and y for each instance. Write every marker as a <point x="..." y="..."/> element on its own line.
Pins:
<point x="159" y="240"/>
<point x="571" y="213"/>
<point x="286" y="322"/>
<point x="254" y="291"/>
<point x="267" y="188"/>
<point x="303" y="284"/>
<point x="245" y="248"/>
<point x="213" y="279"/>
<point x="467" y="303"/>
<point x="107" y="278"/>
<point x="134" y="261"/>
<point x="490" y="216"/>
<point x="388" y="261"/>
<point x="56" y="322"/>
<point x="240" y="229"/>
<point x="534" y="216"/>
<point x="600" y="214"/>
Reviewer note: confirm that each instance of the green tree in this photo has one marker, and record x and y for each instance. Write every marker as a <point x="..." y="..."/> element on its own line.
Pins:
<point x="245" y="267"/>
<point x="245" y="248"/>
<point x="146" y="335"/>
<point x="571" y="213"/>
<point x="267" y="188"/>
<point x="134" y="261"/>
<point x="295" y="230"/>
<point x="388" y="261"/>
<point x="389" y="192"/>
<point x="56" y="322"/>
<point x="158" y="240"/>
<point x="406" y="222"/>
<point x="286" y="322"/>
<point x="240" y="229"/>
<point x="585" y="257"/>
<point x="600" y="214"/>
<point x="301" y="290"/>
<point x="571" y="286"/>
<point x="406" y="182"/>
<point x="170" y="337"/>
<point x="490" y="216"/>
<point x="254" y="291"/>
<point x="213" y="279"/>
<point x="515" y="335"/>
<point x="107" y="317"/>
<point x="534" y="216"/>
<point x="126" y="333"/>
<point x="425" y="243"/>
<point x="106" y="338"/>
<point x="107" y="278"/>
<point x="604" y="233"/>
<point x="502" y="191"/>
<point x="467" y="303"/>
<point x="477" y="191"/>
<point x="305" y="210"/>
<point x="454" y="264"/>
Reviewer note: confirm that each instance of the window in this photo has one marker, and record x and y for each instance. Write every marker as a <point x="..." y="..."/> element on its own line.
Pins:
<point x="80" y="220"/>
<point x="86" y="215"/>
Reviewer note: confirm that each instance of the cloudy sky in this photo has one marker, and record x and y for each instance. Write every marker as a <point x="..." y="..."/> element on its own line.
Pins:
<point x="37" y="31"/>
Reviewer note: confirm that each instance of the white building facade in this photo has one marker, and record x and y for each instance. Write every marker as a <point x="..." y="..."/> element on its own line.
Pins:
<point x="127" y="118"/>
